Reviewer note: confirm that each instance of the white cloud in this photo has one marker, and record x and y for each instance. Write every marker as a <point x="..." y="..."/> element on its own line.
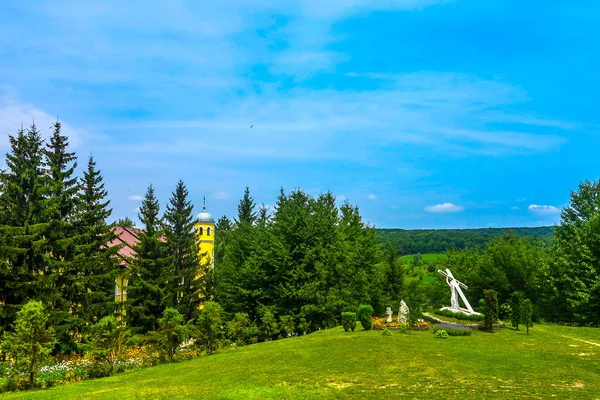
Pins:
<point x="14" y="113"/>
<point x="515" y="208"/>
<point x="137" y="209"/>
<point x="543" y="209"/>
<point x="444" y="208"/>
<point x="221" y="196"/>
<point x="372" y="197"/>
<point x="135" y="198"/>
<point x="341" y="198"/>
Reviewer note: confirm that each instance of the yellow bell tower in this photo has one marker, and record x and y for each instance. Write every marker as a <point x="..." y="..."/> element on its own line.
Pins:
<point x="205" y="231"/>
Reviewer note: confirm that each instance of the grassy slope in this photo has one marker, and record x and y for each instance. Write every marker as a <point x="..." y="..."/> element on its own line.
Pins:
<point x="333" y="364"/>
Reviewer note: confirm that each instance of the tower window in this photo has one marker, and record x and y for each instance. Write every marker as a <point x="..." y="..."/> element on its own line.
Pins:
<point x="208" y="231"/>
<point x="201" y="233"/>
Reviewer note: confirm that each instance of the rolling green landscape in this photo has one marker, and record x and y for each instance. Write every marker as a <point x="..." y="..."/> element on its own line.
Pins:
<point x="552" y="361"/>
<point x="413" y="241"/>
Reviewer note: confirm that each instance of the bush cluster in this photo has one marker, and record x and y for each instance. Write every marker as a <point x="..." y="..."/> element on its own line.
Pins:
<point x="365" y="316"/>
<point x="441" y="334"/>
<point x="349" y="321"/>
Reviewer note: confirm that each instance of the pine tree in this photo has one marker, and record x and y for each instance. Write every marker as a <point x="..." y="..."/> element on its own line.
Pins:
<point x="97" y="263"/>
<point x="60" y="236"/>
<point x="183" y="289"/>
<point x="23" y="187"/>
<point x="246" y="213"/>
<point x="223" y="228"/>
<point x="145" y="291"/>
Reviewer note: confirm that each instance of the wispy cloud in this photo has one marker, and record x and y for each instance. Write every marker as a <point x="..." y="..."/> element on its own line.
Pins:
<point x="372" y="197"/>
<point x="515" y="208"/>
<point x="135" y="198"/>
<point x="221" y="196"/>
<point x="543" y="209"/>
<point x="444" y="208"/>
<point x="14" y="113"/>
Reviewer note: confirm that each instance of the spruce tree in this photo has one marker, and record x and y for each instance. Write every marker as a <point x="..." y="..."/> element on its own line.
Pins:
<point x="23" y="187"/>
<point x="61" y="273"/>
<point x="97" y="264"/>
<point x="145" y="291"/>
<point x="183" y="263"/>
<point x="246" y="213"/>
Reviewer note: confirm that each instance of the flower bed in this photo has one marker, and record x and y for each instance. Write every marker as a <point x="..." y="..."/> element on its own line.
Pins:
<point x="381" y="323"/>
<point x="76" y="368"/>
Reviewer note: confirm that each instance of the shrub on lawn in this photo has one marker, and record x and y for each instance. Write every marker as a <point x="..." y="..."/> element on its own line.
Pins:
<point x="490" y="309"/>
<point x="386" y="332"/>
<point x="30" y="343"/>
<point x="364" y="315"/>
<point x="453" y="331"/>
<point x="441" y="334"/>
<point x="349" y="321"/>
<point x="172" y="332"/>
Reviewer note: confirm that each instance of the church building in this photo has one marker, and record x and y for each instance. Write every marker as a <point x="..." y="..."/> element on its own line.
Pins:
<point x="128" y="238"/>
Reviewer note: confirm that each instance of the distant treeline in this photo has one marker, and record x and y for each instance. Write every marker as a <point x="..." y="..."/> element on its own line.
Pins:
<point x="413" y="241"/>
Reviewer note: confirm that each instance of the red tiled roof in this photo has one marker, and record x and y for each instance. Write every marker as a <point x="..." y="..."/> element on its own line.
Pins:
<point x="128" y="238"/>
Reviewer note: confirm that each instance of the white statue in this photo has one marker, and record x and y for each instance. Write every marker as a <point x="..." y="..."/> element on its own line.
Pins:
<point x="403" y="312"/>
<point x="388" y="312"/>
<point x="455" y="290"/>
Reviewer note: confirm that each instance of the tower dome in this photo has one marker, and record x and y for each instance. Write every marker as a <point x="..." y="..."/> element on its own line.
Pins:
<point x="204" y="216"/>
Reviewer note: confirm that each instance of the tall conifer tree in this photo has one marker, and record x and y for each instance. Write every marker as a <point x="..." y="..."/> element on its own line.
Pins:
<point x="246" y="209"/>
<point x="146" y="289"/>
<point x="61" y="237"/>
<point x="183" y="289"/>
<point x="23" y="190"/>
<point x="97" y="263"/>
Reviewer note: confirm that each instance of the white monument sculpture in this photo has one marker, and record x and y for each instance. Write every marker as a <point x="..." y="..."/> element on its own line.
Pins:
<point x="403" y="312"/>
<point x="388" y="312"/>
<point x="455" y="286"/>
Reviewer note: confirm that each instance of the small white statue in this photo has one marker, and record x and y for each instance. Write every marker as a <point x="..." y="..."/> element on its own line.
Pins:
<point x="403" y="312"/>
<point x="388" y="312"/>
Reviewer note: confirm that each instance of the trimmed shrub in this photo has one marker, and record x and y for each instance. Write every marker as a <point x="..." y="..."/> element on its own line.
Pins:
<point x="349" y="321"/>
<point x="386" y="332"/>
<point x="453" y="331"/>
<point x="490" y="309"/>
<point x="441" y="334"/>
<point x="364" y="315"/>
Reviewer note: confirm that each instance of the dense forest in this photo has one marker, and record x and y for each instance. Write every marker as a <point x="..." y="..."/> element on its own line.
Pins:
<point x="413" y="241"/>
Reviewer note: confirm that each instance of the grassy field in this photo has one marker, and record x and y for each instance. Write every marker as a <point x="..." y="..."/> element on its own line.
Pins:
<point x="552" y="361"/>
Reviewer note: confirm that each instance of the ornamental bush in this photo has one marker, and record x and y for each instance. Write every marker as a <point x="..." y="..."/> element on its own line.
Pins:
<point x="441" y="334"/>
<point x="490" y="309"/>
<point x="31" y="341"/>
<point x="364" y="315"/>
<point x="387" y="332"/>
<point x="349" y="321"/>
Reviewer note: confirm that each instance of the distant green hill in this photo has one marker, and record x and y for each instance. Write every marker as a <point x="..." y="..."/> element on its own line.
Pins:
<point x="413" y="241"/>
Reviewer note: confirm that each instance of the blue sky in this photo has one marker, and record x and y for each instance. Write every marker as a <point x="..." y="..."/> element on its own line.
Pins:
<point x="425" y="114"/>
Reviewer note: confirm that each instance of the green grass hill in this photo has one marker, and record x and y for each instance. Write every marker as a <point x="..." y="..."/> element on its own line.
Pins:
<point x="553" y="361"/>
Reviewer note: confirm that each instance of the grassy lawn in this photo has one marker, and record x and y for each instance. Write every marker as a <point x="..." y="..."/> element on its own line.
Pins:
<point x="552" y="361"/>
